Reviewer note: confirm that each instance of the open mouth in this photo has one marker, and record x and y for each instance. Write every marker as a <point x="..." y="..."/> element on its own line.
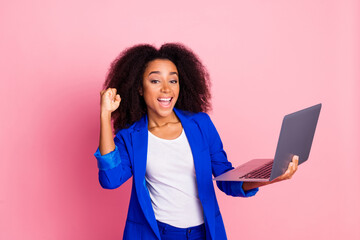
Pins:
<point x="165" y="102"/>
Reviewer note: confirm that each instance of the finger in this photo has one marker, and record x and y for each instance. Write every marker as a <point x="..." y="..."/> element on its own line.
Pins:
<point x="296" y="166"/>
<point x="291" y="165"/>
<point x="296" y="162"/>
<point x="114" y="93"/>
<point x="295" y="159"/>
<point x="292" y="171"/>
<point x="287" y="173"/>
<point x="109" y="94"/>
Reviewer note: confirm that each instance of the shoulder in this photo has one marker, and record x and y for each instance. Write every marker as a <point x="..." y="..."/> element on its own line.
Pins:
<point x="201" y="120"/>
<point x="126" y="132"/>
<point x="204" y="124"/>
<point x="199" y="117"/>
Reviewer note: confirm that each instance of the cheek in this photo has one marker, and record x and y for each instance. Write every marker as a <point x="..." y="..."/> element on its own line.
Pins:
<point x="150" y="96"/>
<point x="149" y="92"/>
<point x="177" y="89"/>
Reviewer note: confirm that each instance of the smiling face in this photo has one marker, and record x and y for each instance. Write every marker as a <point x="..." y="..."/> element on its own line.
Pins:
<point x="160" y="88"/>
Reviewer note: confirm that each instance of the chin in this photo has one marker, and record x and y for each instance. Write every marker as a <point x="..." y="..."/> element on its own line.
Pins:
<point x="165" y="113"/>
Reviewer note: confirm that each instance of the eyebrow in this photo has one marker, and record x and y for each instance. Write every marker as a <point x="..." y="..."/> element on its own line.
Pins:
<point x="158" y="72"/>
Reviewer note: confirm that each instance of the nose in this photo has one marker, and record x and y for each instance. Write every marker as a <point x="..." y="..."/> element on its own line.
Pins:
<point x="165" y="88"/>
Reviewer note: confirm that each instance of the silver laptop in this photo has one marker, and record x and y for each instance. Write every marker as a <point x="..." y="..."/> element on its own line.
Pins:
<point x="296" y="137"/>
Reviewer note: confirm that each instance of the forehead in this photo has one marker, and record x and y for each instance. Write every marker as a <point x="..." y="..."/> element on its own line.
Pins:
<point x="162" y="65"/>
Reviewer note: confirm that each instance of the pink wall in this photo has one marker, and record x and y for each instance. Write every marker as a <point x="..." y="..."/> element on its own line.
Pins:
<point x="266" y="59"/>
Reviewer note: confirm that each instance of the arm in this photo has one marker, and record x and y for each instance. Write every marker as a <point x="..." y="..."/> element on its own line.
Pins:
<point x="113" y="168"/>
<point x="220" y="164"/>
<point x="106" y="142"/>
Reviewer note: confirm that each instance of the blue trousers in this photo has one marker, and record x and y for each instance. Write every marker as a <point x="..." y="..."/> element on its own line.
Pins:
<point x="168" y="232"/>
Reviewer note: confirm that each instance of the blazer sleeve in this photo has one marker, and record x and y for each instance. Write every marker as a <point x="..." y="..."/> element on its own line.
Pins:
<point x="220" y="163"/>
<point x="114" y="167"/>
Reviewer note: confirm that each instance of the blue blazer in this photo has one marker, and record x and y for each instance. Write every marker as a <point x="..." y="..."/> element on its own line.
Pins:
<point x="129" y="159"/>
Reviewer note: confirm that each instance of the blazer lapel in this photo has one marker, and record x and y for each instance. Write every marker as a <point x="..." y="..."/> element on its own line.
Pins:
<point x="195" y="141"/>
<point x="140" y="145"/>
<point x="203" y="170"/>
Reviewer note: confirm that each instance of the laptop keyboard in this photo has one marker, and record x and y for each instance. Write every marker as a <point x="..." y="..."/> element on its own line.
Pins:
<point x="263" y="172"/>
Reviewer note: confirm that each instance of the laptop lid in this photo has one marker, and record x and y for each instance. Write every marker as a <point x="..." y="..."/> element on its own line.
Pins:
<point x="296" y="137"/>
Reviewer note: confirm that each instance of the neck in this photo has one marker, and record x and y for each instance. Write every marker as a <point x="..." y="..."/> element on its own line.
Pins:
<point x="156" y="121"/>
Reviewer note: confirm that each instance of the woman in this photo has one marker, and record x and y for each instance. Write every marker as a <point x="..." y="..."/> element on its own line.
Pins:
<point x="165" y="139"/>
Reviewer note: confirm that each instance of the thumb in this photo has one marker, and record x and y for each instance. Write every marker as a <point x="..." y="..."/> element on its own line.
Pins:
<point x="117" y="98"/>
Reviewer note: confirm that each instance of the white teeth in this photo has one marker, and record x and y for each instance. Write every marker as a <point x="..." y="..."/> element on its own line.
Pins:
<point x="164" y="99"/>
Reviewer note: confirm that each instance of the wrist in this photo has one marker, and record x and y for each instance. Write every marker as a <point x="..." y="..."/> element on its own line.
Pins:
<point x="105" y="115"/>
<point x="251" y="185"/>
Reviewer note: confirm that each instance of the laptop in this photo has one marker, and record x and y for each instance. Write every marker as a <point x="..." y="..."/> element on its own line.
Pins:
<point x="296" y="137"/>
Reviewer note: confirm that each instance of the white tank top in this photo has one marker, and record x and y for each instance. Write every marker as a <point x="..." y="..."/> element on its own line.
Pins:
<point x="171" y="180"/>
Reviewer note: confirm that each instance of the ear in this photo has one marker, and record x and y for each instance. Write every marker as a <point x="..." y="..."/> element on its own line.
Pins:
<point x="140" y="91"/>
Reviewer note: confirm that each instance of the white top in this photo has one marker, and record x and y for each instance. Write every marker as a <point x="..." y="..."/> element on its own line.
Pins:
<point x="171" y="180"/>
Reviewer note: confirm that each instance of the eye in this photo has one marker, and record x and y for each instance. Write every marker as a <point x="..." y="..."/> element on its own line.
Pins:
<point x="173" y="81"/>
<point x="154" y="81"/>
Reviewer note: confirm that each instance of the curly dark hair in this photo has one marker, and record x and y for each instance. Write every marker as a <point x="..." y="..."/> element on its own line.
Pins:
<point x="126" y="75"/>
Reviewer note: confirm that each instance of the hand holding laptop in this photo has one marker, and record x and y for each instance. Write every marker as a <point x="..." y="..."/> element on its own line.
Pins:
<point x="293" y="165"/>
<point x="293" y="148"/>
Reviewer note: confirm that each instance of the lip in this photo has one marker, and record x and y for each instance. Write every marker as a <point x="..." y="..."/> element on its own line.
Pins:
<point x="165" y="104"/>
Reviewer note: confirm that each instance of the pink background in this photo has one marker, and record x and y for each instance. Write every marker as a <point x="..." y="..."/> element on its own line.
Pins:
<point x="266" y="59"/>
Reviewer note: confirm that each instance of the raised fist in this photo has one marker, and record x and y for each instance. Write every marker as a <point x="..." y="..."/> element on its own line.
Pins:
<point x="109" y="100"/>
